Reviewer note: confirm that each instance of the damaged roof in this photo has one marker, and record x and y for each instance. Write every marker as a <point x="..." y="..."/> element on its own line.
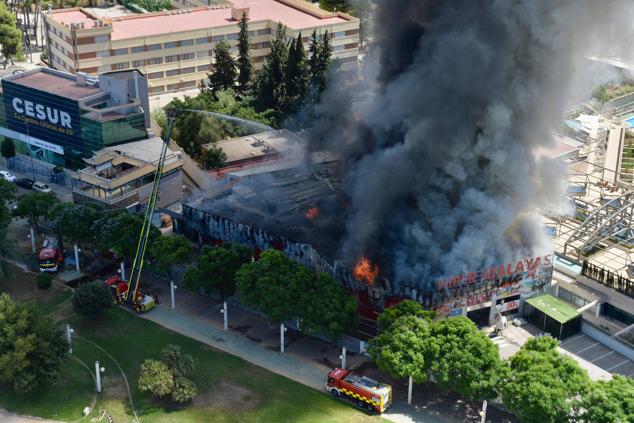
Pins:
<point x="301" y="204"/>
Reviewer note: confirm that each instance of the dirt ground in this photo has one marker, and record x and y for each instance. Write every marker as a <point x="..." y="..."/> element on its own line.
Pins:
<point x="228" y="396"/>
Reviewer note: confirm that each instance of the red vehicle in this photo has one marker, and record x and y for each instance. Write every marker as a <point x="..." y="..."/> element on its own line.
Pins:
<point x="51" y="256"/>
<point x="142" y="302"/>
<point x="368" y="393"/>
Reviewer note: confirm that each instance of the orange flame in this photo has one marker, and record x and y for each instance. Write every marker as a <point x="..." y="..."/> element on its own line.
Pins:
<point x="312" y="213"/>
<point x="366" y="271"/>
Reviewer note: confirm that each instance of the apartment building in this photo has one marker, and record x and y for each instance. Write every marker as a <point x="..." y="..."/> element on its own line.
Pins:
<point x="174" y="48"/>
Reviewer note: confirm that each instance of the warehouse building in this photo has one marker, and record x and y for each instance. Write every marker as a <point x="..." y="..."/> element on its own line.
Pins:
<point x="62" y="118"/>
<point x="174" y="48"/>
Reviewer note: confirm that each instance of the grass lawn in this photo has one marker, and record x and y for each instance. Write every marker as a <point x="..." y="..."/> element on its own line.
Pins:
<point x="230" y="389"/>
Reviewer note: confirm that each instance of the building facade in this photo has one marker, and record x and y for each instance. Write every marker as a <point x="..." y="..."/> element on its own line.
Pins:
<point x="62" y="118"/>
<point x="174" y="48"/>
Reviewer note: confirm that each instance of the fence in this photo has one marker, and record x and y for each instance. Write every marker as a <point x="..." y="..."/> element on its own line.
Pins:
<point x="37" y="170"/>
<point x="607" y="278"/>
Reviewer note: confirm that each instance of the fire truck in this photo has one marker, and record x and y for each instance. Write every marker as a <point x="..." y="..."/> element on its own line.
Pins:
<point x="366" y="392"/>
<point x="142" y="302"/>
<point x="51" y="256"/>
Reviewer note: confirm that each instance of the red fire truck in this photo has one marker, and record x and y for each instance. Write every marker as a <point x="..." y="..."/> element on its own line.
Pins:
<point x="51" y="256"/>
<point x="368" y="393"/>
<point x="119" y="288"/>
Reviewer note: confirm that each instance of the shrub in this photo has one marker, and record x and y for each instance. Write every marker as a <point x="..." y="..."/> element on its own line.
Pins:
<point x="184" y="390"/>
<point x="156" y="378"/>
<point x="167" y="377"/>
<point x="177" y="362"/>
<point x="44" y="280"/>
<point x="92" y="300"/>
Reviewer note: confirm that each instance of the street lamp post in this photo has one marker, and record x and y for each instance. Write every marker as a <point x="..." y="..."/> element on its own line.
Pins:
<point x="32" y="236"/>
<point x="172" y="289"/>
<point x="224" y="310"/>
<point x="98" y="371"/>
<point x="69" y="338"/>
<point x="483" y="413"/>
<point x="77" y="250"/>
<point x="282" y="330"/>
<point x="343" y="357"/>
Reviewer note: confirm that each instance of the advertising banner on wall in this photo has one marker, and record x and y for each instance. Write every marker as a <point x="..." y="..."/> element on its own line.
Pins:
<point x="41" y="115"/>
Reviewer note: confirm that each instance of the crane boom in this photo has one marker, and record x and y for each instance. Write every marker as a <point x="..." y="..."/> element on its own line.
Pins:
<point x="137" y="265"/>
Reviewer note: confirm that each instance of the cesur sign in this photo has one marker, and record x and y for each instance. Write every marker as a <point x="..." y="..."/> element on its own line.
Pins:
<point x="42" y="112"/>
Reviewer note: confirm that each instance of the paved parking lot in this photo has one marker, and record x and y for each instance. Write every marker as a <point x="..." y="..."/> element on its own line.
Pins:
<point x="599" y="355"/>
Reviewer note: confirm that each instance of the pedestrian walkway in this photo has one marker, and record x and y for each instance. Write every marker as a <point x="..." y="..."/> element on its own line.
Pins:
<point x="7" y="417"/>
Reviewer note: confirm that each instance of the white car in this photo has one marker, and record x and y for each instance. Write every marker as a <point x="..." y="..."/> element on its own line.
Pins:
<point x="41" y="187"/>
<point x="7" y="176"/>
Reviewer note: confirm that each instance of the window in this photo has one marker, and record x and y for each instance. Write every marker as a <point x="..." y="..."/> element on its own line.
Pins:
<point x="101" y="38"/>
<point x="615" y="313"/>
<point x="203" y="40"/>
<point x="352" y="32"/>
<point x="155" y="75"/>
<point x="339" y="48"/>
<point x="138" y="63"/>
<point x="204" y="53"/>
<point x="252" y="33"/>
<point x="119" y="66"/>
<point x="187" y="43"/>
<point x="232" y="37"/>
<point x="138" y="49"/>
<point x="188" y="70"/>
<point x="265" y="44"/>
<point x="217" y="38"/>
<point x="173" y="44"/>
<point x="153" y="47"/>
<point x="173" y="72"/>
<point x="188" y="84"/>
<point x="119" y="51"/>
<point x="204" y="68"/>
<point x="187" y="56"/>
<point x="173" y="58"/>
<point x="339" y="34"/>
<point x="173" y="86"/>
<point x="264" y="31"/>
<point x="157" y="89"/>
<point x="155" y="61"/>
<point x="351" y="45"/>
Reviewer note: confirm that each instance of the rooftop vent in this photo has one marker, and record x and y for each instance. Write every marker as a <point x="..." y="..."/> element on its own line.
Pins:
<point x="237" y="11"/>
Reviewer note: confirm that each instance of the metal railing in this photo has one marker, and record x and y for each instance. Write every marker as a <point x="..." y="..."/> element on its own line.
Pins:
<point x="605" y="277"/>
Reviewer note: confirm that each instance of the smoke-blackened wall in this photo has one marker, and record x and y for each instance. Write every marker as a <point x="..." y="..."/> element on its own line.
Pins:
<point x="440" y="137"/>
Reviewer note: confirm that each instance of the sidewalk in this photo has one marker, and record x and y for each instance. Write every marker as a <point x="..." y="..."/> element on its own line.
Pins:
<point x="306" y="360"/>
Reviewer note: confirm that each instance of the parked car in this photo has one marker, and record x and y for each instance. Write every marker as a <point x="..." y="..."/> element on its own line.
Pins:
<point x="41" y="187"/>
<point x="7" y="176"/>
<point x="24" y="183"/>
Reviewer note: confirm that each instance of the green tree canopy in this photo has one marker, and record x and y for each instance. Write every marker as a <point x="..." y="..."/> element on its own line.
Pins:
<point x="271" y="87"/>
<point x="92" y="299"/>
<point x="10" y="34"/>
<point x="119" y="231"/>
<point x="214" y="158"/>
<point x="7" y="148"/>
<point x="402" y="350"/>
<point x="296" y="77"/>
<point x="177" y="361"/>
<point x="75" y="221"/>
<point x="607" y="401"/>
<point x="325" y="307"/>
<point x="320" y="52"/>
<point x="245" y="67"/>
<point x="404" y="308"/>
<point x="542" y="384"/>
<point x="335" y="5"/>
<point x="35" y="205"/>
<point x="271" y="284"/>
<point x="155" y="377"/>
<point x="7" y="192"/>
<point x="167" y="377"/>
<point x="463" y="359"/>
<point x="31" y="347"/>
<point x="223" y="73"/>
<point x="169" y="251"/>
<point x="215" y="270"/>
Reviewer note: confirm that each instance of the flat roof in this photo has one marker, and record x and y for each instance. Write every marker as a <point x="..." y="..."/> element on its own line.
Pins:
<point x="259" y="145"/>
<point x="145" y="25"/>
<point x="553" y="307"/>
<point x="53" y="82"/>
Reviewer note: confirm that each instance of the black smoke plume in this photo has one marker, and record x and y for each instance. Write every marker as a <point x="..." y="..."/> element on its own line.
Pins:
<point x="440" y="138"/>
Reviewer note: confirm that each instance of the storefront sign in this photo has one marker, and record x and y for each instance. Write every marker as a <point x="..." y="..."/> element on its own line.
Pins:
<point x="42" y="116"/>
<point x="509" y="305"/>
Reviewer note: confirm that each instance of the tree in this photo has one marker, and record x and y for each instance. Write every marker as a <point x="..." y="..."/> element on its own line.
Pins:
<point x="169" y="251"/>
<point x="7" y="149"/>
<point x="223" y="73"/>
<point x="10" y="35"/>
<point x="178" y="362"/>
<point x="35" y="205"/>
<point x="74" y="222"/>
<point x="541" y="384"/>
<point x="31" y="347"/>
<point x="296" y="77"/>
<point x="214" y="158"/>
<point x="245" y="67"/>
<point x="404" y="308"/>
<point x="271" y="284"/>
<point x="325" y="307"/>
<point x="271" y="87"/>
<point x="402" y="350"/>
<point x="215" y="269"/>
<point x="156" y="378"/>
<point x="607" y="401"/>
<point x="92" y="299"/>
<point x="335" y="5"/>
<point x="463" y="359"/>
<point x="184" y="390"/>
<point x="119" y="231"/>
<point x="7" y="192"/>
<point x="44" y="280"/>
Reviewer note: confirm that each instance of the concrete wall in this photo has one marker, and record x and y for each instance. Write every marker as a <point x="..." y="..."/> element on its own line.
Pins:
<point x="607" y="340"/>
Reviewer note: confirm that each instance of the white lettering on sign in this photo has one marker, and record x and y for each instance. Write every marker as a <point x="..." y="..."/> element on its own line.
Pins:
<point x="42" y="112"/>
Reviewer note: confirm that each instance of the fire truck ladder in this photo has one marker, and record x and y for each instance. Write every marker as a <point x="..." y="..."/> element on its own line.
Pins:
<point x="137" y="266"/>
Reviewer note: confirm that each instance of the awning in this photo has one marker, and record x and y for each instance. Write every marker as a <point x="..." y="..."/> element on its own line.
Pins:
<point x="553" y="307"/>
